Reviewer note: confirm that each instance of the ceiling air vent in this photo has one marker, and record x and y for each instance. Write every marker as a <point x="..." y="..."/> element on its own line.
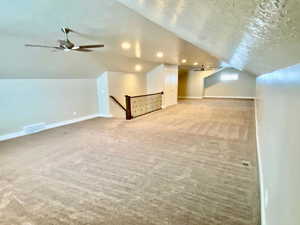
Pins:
<point x="30" y="129"/>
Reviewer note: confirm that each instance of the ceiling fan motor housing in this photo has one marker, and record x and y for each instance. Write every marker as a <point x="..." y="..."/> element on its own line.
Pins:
<point x="66" y="30"/>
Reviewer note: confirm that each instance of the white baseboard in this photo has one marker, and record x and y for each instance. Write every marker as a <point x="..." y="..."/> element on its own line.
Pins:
<point x="260" y="175"/>
<point x="105" y="115"/>
<point x="233" y="97"/>
<point x="12" y="135"/>
<point x="50" y="126"/>
<point x="189" y="97"/>
<point x="67" y="122"/>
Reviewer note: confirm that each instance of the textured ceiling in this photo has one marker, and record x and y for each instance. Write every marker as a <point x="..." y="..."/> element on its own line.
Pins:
<point x="254" y="35"/>
<point x="99" y="21"/>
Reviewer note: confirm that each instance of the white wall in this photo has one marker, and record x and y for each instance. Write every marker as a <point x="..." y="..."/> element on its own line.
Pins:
<point x="103" y="95"/>
<point x="118" y="84"/>
<point x="191" y="83"/>
<point x="278" y="130"/>
<point x="51" y="101"/>
<point x="198" y="84"/>
<point x="164" y="78"/>
<point x="156" y="79"/>
<point x="121" y="84"/>
<point x="171" y="85"/>
<point x="243" y="87"/>
<point x="30" y="101"/>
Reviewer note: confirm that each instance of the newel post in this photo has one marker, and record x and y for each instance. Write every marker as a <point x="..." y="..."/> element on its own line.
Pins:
<point x="128" y="108"/>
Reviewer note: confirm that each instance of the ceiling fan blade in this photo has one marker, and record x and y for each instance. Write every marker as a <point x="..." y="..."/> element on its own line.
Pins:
<point x="81" y="50"/>
<point x="42" y="46"/>
<point x="90" y="46"/>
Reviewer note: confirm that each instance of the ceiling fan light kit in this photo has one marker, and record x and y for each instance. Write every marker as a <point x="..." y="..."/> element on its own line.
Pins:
<point x="66" y="45"/>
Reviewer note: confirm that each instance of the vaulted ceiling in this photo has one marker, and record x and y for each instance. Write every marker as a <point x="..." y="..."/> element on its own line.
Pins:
<point x="255" y="35"/>
<point x="95" y="21"/>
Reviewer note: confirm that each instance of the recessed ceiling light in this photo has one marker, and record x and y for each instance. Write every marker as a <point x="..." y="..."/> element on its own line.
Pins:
<point x="126" y="45"/>
<point x="138" y="67"/>
<point x="183" y="61"/>
<point x="159" y="54"/>
<point x="195" y="63"/>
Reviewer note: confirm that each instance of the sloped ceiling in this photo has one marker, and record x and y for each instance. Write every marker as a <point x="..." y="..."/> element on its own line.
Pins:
<point x="94" y="21"/>
<point x="254" y="35"/>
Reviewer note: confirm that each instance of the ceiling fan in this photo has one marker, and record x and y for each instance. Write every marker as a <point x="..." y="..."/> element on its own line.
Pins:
<point x="67" y="45"/>
<point x="205" y="68"/>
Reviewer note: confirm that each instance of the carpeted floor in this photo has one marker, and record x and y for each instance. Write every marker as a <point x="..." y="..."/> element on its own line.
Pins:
<point x="179" y="166"/>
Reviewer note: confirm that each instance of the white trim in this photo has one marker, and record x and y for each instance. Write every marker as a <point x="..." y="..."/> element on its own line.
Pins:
<point x="67" y="122"/>
<point x="260" y="172"/>
<point x="167" y="106"/>
<point x="12" y="135"/>
<point x="237" y="97"/>
<point x="105" y="115"/>
<point x="189" y="97"/>
<point x="49" y="126"/>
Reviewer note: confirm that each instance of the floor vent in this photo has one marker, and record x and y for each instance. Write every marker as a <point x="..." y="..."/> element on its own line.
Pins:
<point x="246" y="163"/>
<point x="30" y="129"/>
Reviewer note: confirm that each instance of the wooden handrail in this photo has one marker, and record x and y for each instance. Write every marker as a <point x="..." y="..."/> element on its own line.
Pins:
<point x="116" y="101"/>
<point x="161" y="93"/>
<point x="128" y="98"/>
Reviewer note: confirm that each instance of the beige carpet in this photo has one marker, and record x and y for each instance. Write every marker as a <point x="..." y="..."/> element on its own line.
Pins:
<point x="179" y="166"/>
